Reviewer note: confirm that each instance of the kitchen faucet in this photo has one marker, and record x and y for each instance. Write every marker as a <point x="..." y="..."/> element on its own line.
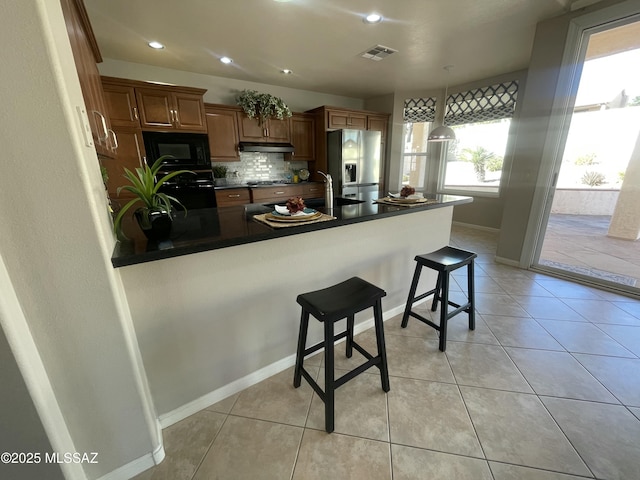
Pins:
<point x="328" y="189"/>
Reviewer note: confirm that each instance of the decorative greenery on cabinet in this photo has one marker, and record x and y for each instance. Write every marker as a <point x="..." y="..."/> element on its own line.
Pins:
<point x="262" y="105"/>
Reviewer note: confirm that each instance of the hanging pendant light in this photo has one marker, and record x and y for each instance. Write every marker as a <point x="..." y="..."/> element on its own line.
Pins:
<point x="443" y="133"/>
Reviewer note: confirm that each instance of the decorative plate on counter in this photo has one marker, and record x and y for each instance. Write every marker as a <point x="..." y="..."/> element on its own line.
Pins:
<point x="309" y="214"/>
<point x="303" y="174"/>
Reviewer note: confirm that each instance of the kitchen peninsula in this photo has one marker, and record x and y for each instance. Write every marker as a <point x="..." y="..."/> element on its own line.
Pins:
<point x="215" y="311"/>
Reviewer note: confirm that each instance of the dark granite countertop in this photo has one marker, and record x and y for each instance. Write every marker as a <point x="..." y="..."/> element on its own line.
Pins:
<point x="214" y="228"/>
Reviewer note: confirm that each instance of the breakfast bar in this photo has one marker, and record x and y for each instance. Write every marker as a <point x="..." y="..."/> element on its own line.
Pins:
<point x="214" y="308"/>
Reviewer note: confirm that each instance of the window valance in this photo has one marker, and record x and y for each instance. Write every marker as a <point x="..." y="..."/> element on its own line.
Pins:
<point x="482" y="104"/>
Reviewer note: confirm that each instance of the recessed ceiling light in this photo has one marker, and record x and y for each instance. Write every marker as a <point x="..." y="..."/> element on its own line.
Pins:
<point x="156" y="45"/>
<point x="226" y="60"/>
<point x="373" y="18"/>
<point x="286" y="71"/>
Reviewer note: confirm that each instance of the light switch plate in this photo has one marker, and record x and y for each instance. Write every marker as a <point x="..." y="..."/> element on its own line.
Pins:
<point x="86" y="128"/>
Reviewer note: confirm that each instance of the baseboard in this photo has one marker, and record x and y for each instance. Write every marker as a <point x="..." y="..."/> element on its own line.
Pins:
<point x="236" y="386"/>
<point x="477" y="227"/>
<point x="133" y="468"/>
<point x="507" y="261"/>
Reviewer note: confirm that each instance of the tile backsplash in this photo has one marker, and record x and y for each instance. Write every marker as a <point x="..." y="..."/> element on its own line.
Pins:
<point x="260" y="166"/>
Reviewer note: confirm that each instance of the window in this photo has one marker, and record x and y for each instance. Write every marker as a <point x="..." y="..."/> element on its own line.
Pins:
<point x="481" y="119"/>
<point x="419" y="113"/>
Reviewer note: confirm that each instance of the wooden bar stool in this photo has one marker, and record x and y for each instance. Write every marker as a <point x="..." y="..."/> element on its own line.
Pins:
<point x="328" y="306"/>
<point x="444" y="261"/>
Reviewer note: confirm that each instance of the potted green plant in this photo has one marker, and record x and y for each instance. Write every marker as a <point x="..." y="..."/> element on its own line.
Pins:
<point x="262" y="105"/>
<point x="154" y="216"/>
<point x="219" y="174"/>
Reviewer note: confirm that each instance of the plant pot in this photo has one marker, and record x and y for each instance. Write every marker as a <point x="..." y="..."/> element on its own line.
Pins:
<point x="155" y="224"/>
<point x="220" y="182"/>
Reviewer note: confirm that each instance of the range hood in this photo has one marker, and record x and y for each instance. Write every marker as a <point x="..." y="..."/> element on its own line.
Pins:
<point x="266" y="147"/>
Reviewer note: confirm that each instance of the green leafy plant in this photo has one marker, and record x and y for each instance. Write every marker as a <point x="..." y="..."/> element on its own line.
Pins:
<point x="262" y="105"/>
<point x="479" y="156"/>
<point x="219" y="171"/>
<point x="145" y="186"/>
<point x="587" y="159"/>
<point x="593" y="179"/>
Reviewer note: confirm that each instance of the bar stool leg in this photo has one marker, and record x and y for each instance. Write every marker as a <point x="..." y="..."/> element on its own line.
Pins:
<point x="412" y="293"/>
<point x="302" y="340"/>
<point x="328" y="377"/>
<point x="382" y="351"/>
<point x="472" y="295"/>
<point x="350" y="322"/>
<point x="444" y="310"/>
<point x="436" y="294"/>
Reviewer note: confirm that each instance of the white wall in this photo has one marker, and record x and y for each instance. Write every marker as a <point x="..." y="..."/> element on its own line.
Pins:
<point x="223" y="90"/>
<point x="56" y="244"/>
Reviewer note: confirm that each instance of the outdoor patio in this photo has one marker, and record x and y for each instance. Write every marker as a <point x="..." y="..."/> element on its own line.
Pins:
<point x="579" y="244"/>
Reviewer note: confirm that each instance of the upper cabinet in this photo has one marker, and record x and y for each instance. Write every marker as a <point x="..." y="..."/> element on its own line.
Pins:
<point x="271" y="130"/>
<point x="222" y="127"/>
<point x="303" y="136"/>
<point x="378" y="123"/>
<point x="86" y="55"/>
<point x="339" y="119"/>
<point x="133" y="103"/>
<point x="163" y="109"/>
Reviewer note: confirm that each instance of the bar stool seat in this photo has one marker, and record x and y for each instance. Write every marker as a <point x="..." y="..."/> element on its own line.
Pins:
<point x="444" y="261"/>
<point x="330" y="305"/>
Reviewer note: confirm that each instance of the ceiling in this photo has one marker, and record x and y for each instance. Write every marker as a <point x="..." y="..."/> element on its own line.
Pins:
<point x="321" y="40"/>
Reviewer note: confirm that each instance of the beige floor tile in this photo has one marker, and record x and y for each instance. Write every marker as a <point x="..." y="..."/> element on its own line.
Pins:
<point x="629" y="306"/>
<point x="333" y="456"/>
<point x="581" y="337"/>
<point x="251" y="449"/>
<point x="457" y="327"/>
<point x="520" y="332"/>
<point x="502" y="471"/>
<point x="413" y="357"/>
<point x="548" y="308"/>
<point x="360" y="407"/>
<point x="486" y="366"/>
<point x="185" y="444"/>
<point x="558" y="374"/>
<point x="565" y="289"/>
<point x="275" y="399"/>
<point x="635" y="411"/>
<point x="224" y="406"/>
<point x="619" y="375"/>
<point x="602" y="311"/>
<point x="414" y="463"/>
<point x="431" y="415"/>
<point x="606" y="436"/>
<point x="494" y="304"/>
<point x="626" y="335"/>
<point x="516" y="428"/>
<point x="522" y="286"/>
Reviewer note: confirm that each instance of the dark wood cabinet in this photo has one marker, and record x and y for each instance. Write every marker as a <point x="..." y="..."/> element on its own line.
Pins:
<point x="131" y="155"/>
<point x="86" y="56"/>
<point x="121" y="103"/>
<point x="339" y="119"/>
<point x="312" y="190"/>
<point x="166" y="109"/>
<point x="275" y="193"/>
<point x="303" y="136"/>
<point x="222" y="128"/>
<point x="271" y="130"/>
<point x="226" y="197"/>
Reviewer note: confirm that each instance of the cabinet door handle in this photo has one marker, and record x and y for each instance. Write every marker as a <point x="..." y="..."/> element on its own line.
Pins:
<point x="177" y="117"/>
<point x="103" y="122"/>
<point x="114" y="146"/>
<point x="278" y="193"/>
<point x="135" y="113"/>
<point x="237" y="195"/>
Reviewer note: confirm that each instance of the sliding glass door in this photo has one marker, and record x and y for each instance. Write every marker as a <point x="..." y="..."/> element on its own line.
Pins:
<point x="591" y="224"/>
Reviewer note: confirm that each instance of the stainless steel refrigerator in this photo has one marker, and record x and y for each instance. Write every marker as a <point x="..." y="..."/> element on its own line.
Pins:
<point x="354" y="162"/>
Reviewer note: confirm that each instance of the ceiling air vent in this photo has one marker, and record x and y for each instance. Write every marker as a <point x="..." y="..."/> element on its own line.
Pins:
<point x="377" y="52"/>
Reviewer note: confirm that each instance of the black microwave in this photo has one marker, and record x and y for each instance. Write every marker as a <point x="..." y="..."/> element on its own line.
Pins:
<point x="189" y="150"/>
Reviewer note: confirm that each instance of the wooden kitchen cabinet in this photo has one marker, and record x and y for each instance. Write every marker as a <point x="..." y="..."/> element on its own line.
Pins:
<point x="303" y="136"/>
<point x="226" y="197"/>
<point x="86" y="56"/>
<point x="275" y="193"/>
<point x="131" y="155"/>
<point x="378" y="124"/>
<point x="171" y="109"/>
<point x="222" y="129"/>
<point x="121" y="103"/>
<point x="271" y="130"/>
<point x="339" y="119"/>
<point x="313" y="190"/>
